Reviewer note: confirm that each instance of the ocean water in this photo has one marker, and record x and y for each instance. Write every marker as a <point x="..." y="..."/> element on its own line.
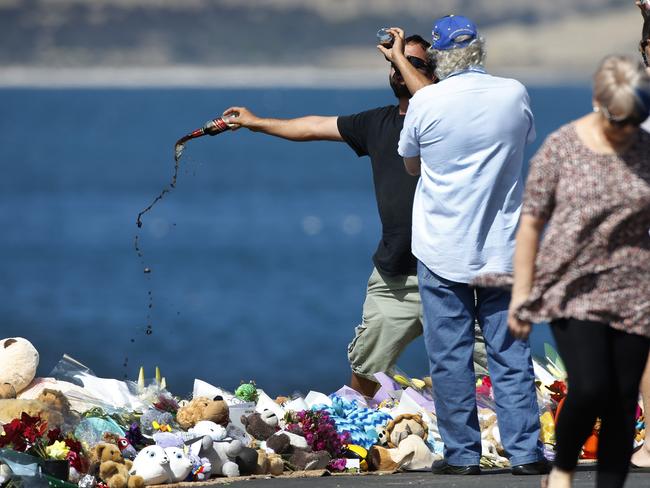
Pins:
<point x="259" y="257"/>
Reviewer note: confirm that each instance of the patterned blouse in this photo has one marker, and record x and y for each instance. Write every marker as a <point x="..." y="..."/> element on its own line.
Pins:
<point x="594" y="259"/>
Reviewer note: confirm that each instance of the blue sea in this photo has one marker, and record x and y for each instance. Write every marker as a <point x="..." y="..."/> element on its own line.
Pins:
<point x="259" y="256"/>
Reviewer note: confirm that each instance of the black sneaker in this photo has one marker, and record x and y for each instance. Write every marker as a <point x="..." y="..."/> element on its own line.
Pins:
<point x="441" y="467"/>
<point x="538" y="467"/>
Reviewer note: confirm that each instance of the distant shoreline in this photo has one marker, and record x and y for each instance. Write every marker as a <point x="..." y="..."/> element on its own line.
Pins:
<point x="236" y="77"/>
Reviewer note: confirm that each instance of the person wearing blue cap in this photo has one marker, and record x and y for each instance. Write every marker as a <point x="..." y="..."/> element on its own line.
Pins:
<point x="465" y="136"/>
<point x="392" y="311"/>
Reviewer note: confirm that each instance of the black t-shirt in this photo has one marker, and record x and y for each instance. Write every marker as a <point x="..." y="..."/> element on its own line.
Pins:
<point x="375" y="133"/>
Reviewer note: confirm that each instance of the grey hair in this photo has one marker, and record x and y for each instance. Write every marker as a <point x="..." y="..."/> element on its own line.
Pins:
<point x="617" y="84"/>
<point x="452" y="60"/>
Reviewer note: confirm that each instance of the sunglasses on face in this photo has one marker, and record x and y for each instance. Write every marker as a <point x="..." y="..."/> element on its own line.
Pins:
<point x="418" y="64"/>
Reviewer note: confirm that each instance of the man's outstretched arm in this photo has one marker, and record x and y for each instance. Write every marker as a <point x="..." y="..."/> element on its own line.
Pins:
<point x="309" y="128"/>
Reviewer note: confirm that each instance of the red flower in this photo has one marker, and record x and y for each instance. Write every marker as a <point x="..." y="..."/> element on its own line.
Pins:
<point x="485" y="389"/>
<point x="54" y="435"/>
<point x="73" y="444"/>
<point x="558" y="390"/>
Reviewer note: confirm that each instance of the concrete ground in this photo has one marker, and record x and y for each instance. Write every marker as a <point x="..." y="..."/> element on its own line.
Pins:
<point x="489" y="479"/>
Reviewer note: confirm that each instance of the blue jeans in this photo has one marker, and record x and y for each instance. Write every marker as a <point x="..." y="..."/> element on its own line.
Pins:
<point x="449" y="314"/>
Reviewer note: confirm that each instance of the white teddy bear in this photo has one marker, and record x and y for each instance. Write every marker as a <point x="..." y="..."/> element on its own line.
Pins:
<point x="217" y="447"/>
<point x="18" y="363"/>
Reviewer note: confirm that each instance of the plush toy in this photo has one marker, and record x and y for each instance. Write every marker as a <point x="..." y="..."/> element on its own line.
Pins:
<point x="247" y="392"/>
<point x="114" y="469"/>
<point x="295" y="450"/>
<point x="179" y="463"/>
<point x="51" y="405"/>
<point x="412" y="454"/>
<point x="18" y="363"/>
<point x="403" y="426"/>
<point x="268" y="463"/>
<point x="123" y="444"/>
<point x="215" y="446"/>
<point x="152" y="466"/>
<point x="304" y="460"/>
<point x="490" y="437"/>
<point x="247" y="461"/>
<point x="262" y="425"/>
<point x="202" y="408"/>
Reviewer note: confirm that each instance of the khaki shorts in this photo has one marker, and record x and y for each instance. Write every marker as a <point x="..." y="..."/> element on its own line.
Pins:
<point x="392" y="319"/>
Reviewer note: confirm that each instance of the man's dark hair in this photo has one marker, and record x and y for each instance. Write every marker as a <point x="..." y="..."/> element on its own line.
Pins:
<point x="417" y="39"/>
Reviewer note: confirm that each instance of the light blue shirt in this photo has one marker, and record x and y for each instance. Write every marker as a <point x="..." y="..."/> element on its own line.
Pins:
<point x="470" y="131"/>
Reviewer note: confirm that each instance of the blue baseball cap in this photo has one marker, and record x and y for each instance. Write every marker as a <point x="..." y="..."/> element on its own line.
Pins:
<point x="447" y="29"/>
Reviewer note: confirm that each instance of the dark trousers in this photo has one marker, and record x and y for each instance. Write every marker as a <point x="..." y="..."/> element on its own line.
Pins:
<point x="604" y="367"/>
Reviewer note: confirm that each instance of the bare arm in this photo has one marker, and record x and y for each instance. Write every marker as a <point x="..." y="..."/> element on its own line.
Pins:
<point x="413" y="165"/>
<point x="528" y="236"/>
<point x="413" y="78"/>
<point x="310" y="128"/>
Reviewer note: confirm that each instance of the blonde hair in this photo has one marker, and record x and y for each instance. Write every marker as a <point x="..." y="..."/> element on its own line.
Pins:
<point x="452" y="60"/>
<point x="619" y="84"/>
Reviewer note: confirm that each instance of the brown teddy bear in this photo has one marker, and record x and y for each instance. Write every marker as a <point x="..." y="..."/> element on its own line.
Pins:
<point x="262" y="425"/>
<point x="113" y="468"/>
<point x="403" y="426"/>
<point x="405" y="447"/>
<point x="202" y="408"/>
<point x="268" y="463"/>
<point x="51" y="405"/>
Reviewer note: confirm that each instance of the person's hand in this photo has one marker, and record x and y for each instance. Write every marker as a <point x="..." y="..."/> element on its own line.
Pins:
<point x="398" y="44"/>
<point x="518" y="328"/>
<point x="238" y="117"/>
<point x="644" y="11"/>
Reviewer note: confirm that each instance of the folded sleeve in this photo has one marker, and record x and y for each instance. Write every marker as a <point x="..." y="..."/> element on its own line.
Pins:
<point x="409" y="139"/>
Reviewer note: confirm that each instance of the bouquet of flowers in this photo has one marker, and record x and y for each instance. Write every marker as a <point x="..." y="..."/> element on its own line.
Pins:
<point x="320" y="433"/>
<point x="31" y="435"/>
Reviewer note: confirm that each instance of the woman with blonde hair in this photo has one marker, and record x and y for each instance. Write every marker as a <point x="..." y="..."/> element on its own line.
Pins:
<point x="589" y="190"/>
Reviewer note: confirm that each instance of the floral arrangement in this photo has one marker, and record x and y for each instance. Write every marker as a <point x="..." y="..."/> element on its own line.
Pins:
<point x="320" y="433"/>
<point x="31" y="435"/>
<point x="558" y="390"/>
<point x="484" y="387"/>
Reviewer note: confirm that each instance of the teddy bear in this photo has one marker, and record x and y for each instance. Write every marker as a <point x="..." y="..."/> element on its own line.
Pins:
<point x="202" y="408"/>
<point x="18" y="363"/>
<point x="151" y="465"/>
<point x="404" y="445"/>
<point x="294" y="449"/>
<point x="269" y="463"/>
<point x="490" y="438"/>
<point x="261" y="425"/>
<point x="412" y="454"/>
<point x="114" y="469"/>
<point x="50" y="405"/>
<point x="404" y="425"/>
<point x="214" y="445"/>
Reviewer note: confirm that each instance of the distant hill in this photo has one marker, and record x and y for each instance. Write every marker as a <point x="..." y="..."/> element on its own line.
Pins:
<point x="155" y="32"/>
<point x="528" y="34"/>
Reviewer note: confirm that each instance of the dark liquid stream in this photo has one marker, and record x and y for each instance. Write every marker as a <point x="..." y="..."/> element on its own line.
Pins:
<point x="146" y="269"/>
<point x="212" y="128"/>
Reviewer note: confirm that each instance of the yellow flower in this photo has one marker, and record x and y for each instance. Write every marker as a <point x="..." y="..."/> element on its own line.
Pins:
<point x="58" y="450"/>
